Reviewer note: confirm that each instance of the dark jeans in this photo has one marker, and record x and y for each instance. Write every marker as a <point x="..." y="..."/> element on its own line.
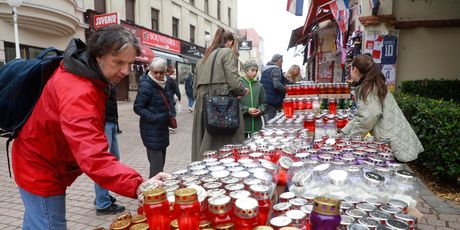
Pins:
<point x="270" y="112"/>
<point x="157" y="159"/>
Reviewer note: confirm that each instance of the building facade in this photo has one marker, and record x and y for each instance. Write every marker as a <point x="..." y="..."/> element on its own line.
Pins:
<point x="250" y="46"/>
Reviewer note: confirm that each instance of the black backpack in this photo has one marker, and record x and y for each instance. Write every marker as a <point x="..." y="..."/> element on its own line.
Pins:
<point x="21" y="84"/>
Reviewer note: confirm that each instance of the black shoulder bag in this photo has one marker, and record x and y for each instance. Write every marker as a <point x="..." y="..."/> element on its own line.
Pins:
<point x="222" y="112"/>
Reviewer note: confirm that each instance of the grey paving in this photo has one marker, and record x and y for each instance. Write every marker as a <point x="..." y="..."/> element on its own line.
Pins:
<point x="437" y="214"/>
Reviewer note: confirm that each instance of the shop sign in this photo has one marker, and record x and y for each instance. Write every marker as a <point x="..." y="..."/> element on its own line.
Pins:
<point x="102" y="20"/>
<point x="245" y="45"/>
<point x="160" y="41"/>
<point x="192" y="50"/>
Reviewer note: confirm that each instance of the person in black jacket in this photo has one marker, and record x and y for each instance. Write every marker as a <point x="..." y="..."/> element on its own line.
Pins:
<point x="153" y="104"/>
<point x="189" y="91"/>
<point x="172" y="81"/>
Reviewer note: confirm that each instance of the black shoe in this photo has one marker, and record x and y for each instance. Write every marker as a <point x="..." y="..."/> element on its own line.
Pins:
<point x="112" y="209"/>
<point x="112" y="199"/>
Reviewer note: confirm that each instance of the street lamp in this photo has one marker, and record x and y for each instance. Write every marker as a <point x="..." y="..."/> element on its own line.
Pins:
<point x="207" y="39"/>
<point x="15" y="4"/>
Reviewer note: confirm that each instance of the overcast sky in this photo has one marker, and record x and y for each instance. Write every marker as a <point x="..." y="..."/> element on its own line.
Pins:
<point x="274" y="24"/>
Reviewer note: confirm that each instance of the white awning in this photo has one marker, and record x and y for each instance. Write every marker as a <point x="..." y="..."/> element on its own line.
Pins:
<point x="167" y="56"/>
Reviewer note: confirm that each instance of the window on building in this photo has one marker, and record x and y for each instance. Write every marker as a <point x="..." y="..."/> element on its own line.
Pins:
<point x="99" y="6"/>
<point x="27" y="52"/>
<point x="175" y="27"/>
<point x="206" y="6"/>
<point x="229" y="12"/>
<point x="192" y="2"/>
<point x="218" y="9"/>
<point x="192" y="34"/>
<point x="155" y="19"/>
<point x="129" y="10"/>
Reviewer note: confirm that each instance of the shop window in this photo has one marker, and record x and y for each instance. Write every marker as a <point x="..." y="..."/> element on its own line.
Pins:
<point x="192" y="34"/>
<point x="99" y="6"/>
<point x="129" y="6"/>
<point x="218" y="9"/>
<point x="155" y="19"/>
<point x="206" y="6"/>
<point x="229" y="15"/>
<point x="175" y="27"/>
<point x="27" y="52"/>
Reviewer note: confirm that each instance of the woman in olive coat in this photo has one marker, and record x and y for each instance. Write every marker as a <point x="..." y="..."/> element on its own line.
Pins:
<point x="224" y="82"/>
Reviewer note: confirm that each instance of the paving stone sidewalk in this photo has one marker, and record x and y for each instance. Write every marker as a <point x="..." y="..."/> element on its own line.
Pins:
<point x="81" y="213"/>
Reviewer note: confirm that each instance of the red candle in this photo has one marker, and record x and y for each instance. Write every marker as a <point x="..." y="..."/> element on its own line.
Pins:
<point x="262" y="194"/>
<point x="220" y="209"/>
<point x="246" y="211"/>
<point x="156" y="208"/>
<point x="288" y="108"/>
<point x="187" y="208"/>
<point x="332" y="106"/>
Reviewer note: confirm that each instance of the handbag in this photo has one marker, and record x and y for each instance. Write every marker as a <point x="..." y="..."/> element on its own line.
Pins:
<point x="222" y="112"/>
<point x="172" y="122"/>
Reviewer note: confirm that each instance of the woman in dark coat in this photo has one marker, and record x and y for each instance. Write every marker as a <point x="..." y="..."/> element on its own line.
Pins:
<point x="154" y="113"/>
<point x="225" y="81"/>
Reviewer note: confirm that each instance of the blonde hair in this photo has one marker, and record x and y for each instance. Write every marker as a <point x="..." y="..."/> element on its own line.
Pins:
<point x="290" y="73"/>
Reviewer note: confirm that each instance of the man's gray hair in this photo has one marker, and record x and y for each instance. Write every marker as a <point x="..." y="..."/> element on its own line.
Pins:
<point x="158" y="63"/>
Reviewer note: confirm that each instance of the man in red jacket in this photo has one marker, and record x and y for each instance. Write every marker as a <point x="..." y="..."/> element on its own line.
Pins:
<point x="64" y="136"/>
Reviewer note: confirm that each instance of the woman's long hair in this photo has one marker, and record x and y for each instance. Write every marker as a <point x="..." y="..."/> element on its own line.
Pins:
<point x="220" y="38"/>
<point x="372" y="77"/>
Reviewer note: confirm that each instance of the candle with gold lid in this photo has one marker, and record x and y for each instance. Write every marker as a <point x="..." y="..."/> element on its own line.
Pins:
<point x="156" y="208"/>
<point x="140" y="226"/>
<point x="187" y="208"/>
<point x="120" y="225"/>
<point x="263" y="228"/>
<point x="139" y="219"/>
<point x="325" y="214"/>
<point x="205" y="224"/>
<point x="226" y="226"/>
<point x="246" y="212"/>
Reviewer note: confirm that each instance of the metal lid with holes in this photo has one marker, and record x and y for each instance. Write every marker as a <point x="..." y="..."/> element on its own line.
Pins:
<point x="281" y="208"/>
<point x="215" y="192"/>
<point x="365" y="207"/>
<point x="234" y="187"/>
<point x="325" y="157"/>
<point x="326" y="206"/>
<point x="208" y="178"/>
<point x="189" y="183"/>
<point x="264" y="177"/>
<point x="180" y="172"/>
<point x="213" y="163"/>
<point x="229" y="180"/>
<point x="349" y="159"/>
<point x="216" y="168"/>
<point x="226" y="160"/>
<point x="256" y="155"/>
<point x="346" y="205"/>
<point x="200" y="173"/>
<point x="410" y="219"/>
<point x="219" y="204"/>
<point x="285" y="162"/>
<point x="246" y="208"/>
<point x="311" y="163"/>
<point x="378" y="161"/>
<point x="373" y="179"/>
<point x="395" y="166"/>
<point x="186" y="195"/>
<point x="369" y="222"/>
<point x="251" y="181"/>
<point x="397" y="224"/>
<point x="302" y="156"/>
<point x="220" y="174"/>
<point x="226" y="226"/>
<point x="210" y="154"/>
<point x="172" y="182"/>
<point x="240" y="174"/>
<point x="373" y="200"/>
<point x="338" y="177"/>
<point x="190" y="178"/>
<point x="383" y="227"/>
<point x="302" y="177"/>
<point x="207" y="160"/>
<point x="239" y="194"/>
<point x="355" y="213"/>
<point x="385" y="171"/>
<point x="298" y="202"/>
<point x="287" y="195"/>
<point x="352" y="199"/>
<point x="386" y="155"/>
<point x="280" y="221"/>
<point x="306" y="209"/>
<point x="258" y="169"/>
<point x="398" y="203"/>
<point x="245" y="161"/>
<point x="405" y="176"/>
<point x="296" y="216"/>
<point x="154" y="195"/>
<point x="195" y="163"/>
<point x="356" y="226"/>
<point x="250" y="165"/>
<point x="236" y="169"/>
<point x="197" y="167"/>
<point x="389" y="209"/>
<point x="379" y="215"/>
<point x="346" y="220"/>
<point x="212" y="185"/>
<point x="231" y="165"/>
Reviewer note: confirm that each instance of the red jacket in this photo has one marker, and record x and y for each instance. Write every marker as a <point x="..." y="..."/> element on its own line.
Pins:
<point x="64" y="137"/>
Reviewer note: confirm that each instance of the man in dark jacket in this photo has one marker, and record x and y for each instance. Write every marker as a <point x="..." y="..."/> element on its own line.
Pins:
<point x="154" y="106"/>
<point x="104" y="202"/>
<point x="275" y="86"/>
<point x="189" y="91"/>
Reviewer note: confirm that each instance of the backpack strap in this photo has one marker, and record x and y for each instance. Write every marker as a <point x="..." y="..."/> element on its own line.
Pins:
<point x="8" y="153"/>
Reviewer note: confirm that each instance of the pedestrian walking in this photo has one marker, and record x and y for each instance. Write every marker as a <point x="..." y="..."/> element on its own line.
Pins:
<point x="64" y="136"/>
<point x="189" y="91"/>
<point x="153" y="104"/>
<point x="274" y="84"/>
<point x="225" y="81"/>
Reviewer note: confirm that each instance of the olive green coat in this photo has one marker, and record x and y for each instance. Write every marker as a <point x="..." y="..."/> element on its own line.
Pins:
<point x="255" y="99"/>
<point x="225" y="82"/>
<point x="384" y="121"/>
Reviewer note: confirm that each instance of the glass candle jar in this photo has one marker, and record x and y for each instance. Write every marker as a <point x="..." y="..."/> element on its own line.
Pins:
<point x="288" y="108"/>
<point x="246" y="212"/>
<point x="325" y="214"/>
<point x="156" y="208"/>
<point x="262" y="194"/>
<point x="332" y="103"/>
<point x="220" y="210"/>
<point x="187" y="208"/>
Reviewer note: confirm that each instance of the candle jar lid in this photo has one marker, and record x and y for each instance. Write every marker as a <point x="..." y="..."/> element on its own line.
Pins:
<point x="123" y="216"/>
<point x="373" y="200"/>
<point x="313" y="152"/>
<point x="120" y="224"/>
<point x="215" y="192"/>
<point x="225" y="226"/>
<point x="186" y="195"/>
<point x="321" y="169"/>
<point x="302" y="178"/>
<point x="378" y="161"/>
<point x="211" y="164"/>
<point x="383" y="227"/>
<point x="325" y="157"/>
<point x="395" y="166"/>
<point x="216" y="168"/>
<point x="379" y="215"/>
<point x="296" y="216"/>
<point x="139" y="226"/>
<point x="356" y="226"/>
<point x="287" y="195"/>
<point x="356" y="213"/>
<point x="258" y="169"/>
<point x="240" y="174"/>
<point x="251" y="181"/>
<point x="234" y="187"/>
<point x="260" y="192"/>
<point x="236" y="169"/>
<point x="282" y="207"/>
<point x="302" y="156"/>
<point x="338" y="177"/>
<point x="171" y="182"/>
<point x="405" y="176"/>
<point x="306" y="209"/>
<point x="346" y="220"/>
<point x="348" y="150"/>
<point x="207" y="160"/>
<point x="239" y="194"/>
<point x="219" y="204"/>
<point x="190" y="178"/>
<point x="231" y="165"/>
<point x="326" y="206"/>
<point x="210" y="154"/>
<point x="180" y="172"/>
<point x="200" y="173"/>
<point x="138" y="219"/>
<point x="397" y="224"/>
<point x="352" y="199"/>
<point x="285" y="162"/>
<point x="365" y="207"/>
<point x="246" y="208"/>
<point x="410" y="219"/>
<point x="369" y="222"/>
<point x="212" y="185"/>
<point x="245" y="161"/>
<point x="197" y="167"/>
<point x="386" y="155"/>
<point x="155" y="195"/>
<point x="389" y="209"/>
<point x="250" y="165"/>
<point x="263" y="228"/>
<point x="264" y="177"/>
<point x="280" y="221"/>
<point x="209" y="178"/>
<point x="229" y="180"/>
<point x="195" y="163"/>
<point x="373" y="179"/>
<point x="346" y="205"/>
<point x="220" y="174"/>
<point x="256" y="155"/>
<point x="398" y="203"/>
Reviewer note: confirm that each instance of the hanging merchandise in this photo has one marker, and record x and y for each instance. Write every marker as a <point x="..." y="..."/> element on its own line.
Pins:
<point x="389" y="71"/>
<point x="373" y="47"/>
<point x="389" y="49"/>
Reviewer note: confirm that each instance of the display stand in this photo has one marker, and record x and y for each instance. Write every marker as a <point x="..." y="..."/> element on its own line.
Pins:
<point x="336" y="96"/>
